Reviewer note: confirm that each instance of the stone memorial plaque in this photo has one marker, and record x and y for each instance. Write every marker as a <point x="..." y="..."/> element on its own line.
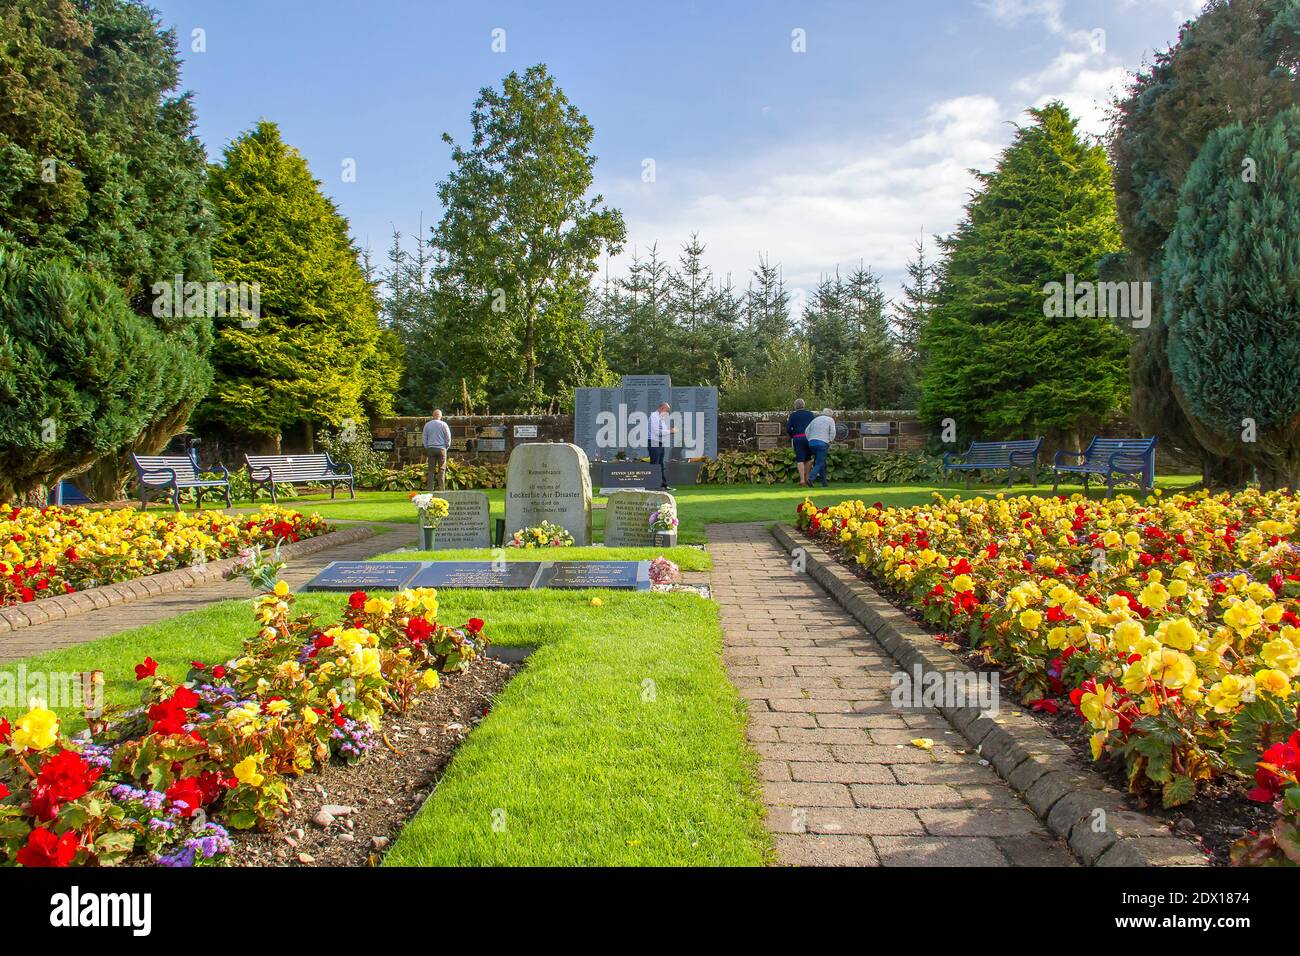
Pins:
<point x="610" y="424"/>
<point x="698" y="434"/>
<point x="489" y="444"/>
<point x="549" y="482"/>
<point x="768" y="428"/>
<point x="621" y="575"/>
<point x="875" y="443"/>
<point x="466" y="524"/>
<point x="766" y="442"/>
<point x="460" y="444"/>
<point x="492" y="431"/>
<point x="873" y="428"/>
<point x="627" y="517"/>
<point x="364" y="576"/>
<point x="382" y="444"/>
<point x="508" y="575"/>
<point x="525" y="431"/>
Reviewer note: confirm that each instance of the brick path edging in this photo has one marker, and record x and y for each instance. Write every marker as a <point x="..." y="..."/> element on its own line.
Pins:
<point x="18" y="616"/>
<point x="1033" y="762"/>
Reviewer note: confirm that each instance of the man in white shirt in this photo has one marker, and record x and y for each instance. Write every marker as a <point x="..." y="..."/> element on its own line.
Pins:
<point x="437" y="442"/>
<point x="820" y="432"/>
<point x="660" y="440"/>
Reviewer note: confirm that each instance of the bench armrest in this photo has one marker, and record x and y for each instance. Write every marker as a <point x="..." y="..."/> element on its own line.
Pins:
<point x="1078" y="455"/>
<point x="169" y="473"/>
<point x="259" y="472"/>
<point x="1127" y="462"/>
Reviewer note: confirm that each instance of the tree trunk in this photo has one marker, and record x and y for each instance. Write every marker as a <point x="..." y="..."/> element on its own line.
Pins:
<point x="107" y="478"/>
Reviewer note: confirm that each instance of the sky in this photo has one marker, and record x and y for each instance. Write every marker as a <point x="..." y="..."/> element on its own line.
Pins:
<point x="819" y="135"/>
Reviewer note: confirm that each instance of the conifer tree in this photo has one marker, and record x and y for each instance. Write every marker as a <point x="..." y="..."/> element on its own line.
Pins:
<point x="998" y="365"/>
<point x="100" y="173"/>
<point x="315" y="355"/>
<point x="1232" y="305"/>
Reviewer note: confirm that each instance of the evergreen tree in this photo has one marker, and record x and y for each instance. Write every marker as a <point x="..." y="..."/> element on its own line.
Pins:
<point x="519" y="241"/>
<point x="918" y="299"/>
<point x="1237" y="62"/>
<point x="1232" y="305"/>
<point x="315" y="355"/>
<point x="100" y="170"/>
<point x="997" y="364"/>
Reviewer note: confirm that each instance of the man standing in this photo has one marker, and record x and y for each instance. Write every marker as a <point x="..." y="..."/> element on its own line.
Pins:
<point x="796" y="427"/>
<point x="661" y="439"/>
<point x="437" y="441"/>
<point x="820" y="432"/>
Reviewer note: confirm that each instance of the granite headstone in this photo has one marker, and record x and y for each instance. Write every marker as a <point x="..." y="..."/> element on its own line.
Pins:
<point x="549" y="482"/>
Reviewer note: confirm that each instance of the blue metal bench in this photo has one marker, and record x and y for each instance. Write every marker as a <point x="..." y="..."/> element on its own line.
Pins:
<point x="1131" y="460"/>
<point x="170" y="474"/>
<point x="266" y="471"/>
<point x="996" y="456"/>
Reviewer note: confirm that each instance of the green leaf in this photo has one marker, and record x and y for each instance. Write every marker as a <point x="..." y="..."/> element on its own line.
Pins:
<point x="1178" y="790"/>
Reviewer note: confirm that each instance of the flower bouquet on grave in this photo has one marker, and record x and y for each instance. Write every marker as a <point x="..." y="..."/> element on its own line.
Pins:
<point x="663" y="525"/>
<point x="432" y="511"/>
<point x="545" y="535"/>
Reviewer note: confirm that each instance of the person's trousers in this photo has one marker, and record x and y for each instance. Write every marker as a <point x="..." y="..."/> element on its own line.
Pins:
<point x="437" y="468"/>
<point x="659" y="456"/>
<point x="819" y="450"/>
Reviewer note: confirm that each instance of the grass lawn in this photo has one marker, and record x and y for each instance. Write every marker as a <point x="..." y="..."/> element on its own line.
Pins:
<point x="684" y="556"/>
<point x="700" y="505"/>
<point x="621" y="742"/>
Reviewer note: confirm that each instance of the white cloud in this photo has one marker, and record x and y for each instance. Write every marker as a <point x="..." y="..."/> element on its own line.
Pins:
<point x="821" y="205"/>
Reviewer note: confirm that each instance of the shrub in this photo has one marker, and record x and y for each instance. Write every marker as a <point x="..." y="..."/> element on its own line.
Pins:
<point x="777" y="467"/>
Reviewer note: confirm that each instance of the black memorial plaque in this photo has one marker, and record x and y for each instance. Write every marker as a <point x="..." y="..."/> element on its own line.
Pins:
<point x="618" y="575"/>
<point x="364" y="575"/>
<point x="507" y="575"/>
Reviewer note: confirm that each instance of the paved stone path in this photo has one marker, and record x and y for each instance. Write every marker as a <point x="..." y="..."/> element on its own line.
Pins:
<point x="122" y="617"/>
<point x="842" y="782"/>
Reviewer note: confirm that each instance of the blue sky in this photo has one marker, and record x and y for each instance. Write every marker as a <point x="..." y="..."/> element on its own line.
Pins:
<point x="843" y="153"/>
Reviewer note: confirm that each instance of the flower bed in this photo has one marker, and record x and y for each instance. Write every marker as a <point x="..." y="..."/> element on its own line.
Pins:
<point x="168" y="780"/>
<point x="1171" y="627"/>
<point x="49" y="551"/>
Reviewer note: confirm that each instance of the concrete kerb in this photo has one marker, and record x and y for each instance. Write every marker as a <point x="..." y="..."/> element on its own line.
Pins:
<point x="1077" y="805"/>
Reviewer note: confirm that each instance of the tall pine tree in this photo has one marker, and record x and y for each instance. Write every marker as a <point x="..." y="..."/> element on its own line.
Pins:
<point x="316" y="355"/>
<point x="997" y="364"/>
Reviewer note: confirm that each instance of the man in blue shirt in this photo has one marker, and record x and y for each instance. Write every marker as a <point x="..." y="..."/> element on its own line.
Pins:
<point x="796" y="427"/>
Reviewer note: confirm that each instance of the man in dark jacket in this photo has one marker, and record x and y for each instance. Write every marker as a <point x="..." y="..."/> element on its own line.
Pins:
<point x="794" y="427"/>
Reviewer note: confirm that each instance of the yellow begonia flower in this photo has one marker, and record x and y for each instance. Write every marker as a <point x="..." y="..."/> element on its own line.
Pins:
<point x="1280" y="654"/>
<point x="1243" y="616"/>
<point x="38" y="729"/>
<point x="310" y="717"/>
<point x="1228" y="694"/>
<point x="429" y="678"/>
<point x="1095" y="743"/>
<point x="1030" y="619"/>
<point x="1172" y="668"/>
<point x="1136" y="676"/>
<point x="1126" y="635"/>
<point x="247" y="771"/>
<point x="281" y="589"/>
<point x="1273" y="682"/>
<point x="1154" y="596"/>
<point x="1179" y="633"/>
<point x="963" y="582"/>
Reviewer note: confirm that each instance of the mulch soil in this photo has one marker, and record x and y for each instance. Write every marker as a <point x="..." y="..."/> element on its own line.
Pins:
<point x="349" y="815"/>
